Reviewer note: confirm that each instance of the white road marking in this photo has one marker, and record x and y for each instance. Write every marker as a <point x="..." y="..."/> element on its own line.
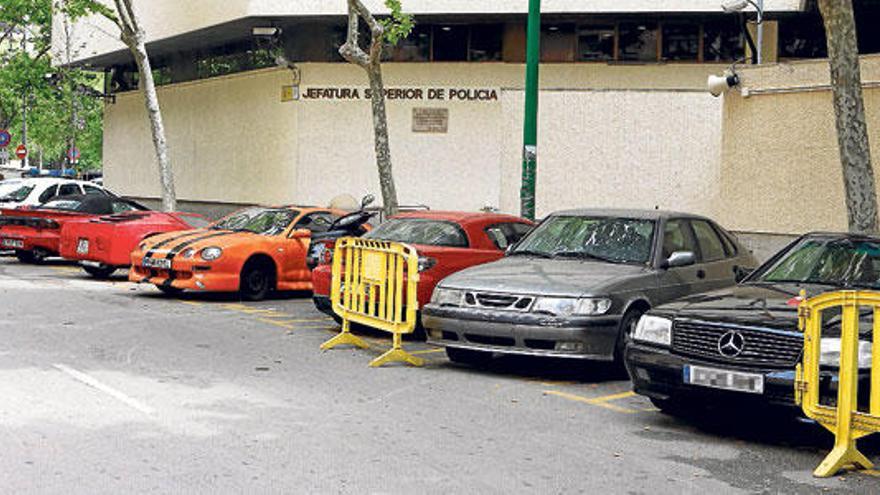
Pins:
<point x="116" y="394"/>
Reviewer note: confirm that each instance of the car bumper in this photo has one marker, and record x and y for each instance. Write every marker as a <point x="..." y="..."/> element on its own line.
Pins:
<point x="523" y="334"/>
<point x="187" y="278"/>
<point x="659" y="374"/>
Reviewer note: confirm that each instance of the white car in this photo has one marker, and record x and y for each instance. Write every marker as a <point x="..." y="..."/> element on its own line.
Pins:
<point x="34" y="192"/>
<point x="9" y="185"/>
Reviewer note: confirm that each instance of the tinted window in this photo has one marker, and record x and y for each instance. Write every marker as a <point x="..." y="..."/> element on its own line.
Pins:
<point x="504" y="235"/>
<point x="450" y="43"/>
<point x="498" y="237"/>
<point x="722" y="40"/>
<point x="47" y="194"/>
<point x="677" y="237"/>
<point x="729" y="245"/>
<point x="63" y="204"/>
<point x="486" y="42"/>
<point x="518" y="230"/>
<point x="681" y="42"/>
<point x="122" y="206"/>
<point x="638" y="41"/>
<point x="69" y="190"/>
<point x="420" y="231"/>
<point x="317" y="222"/>
<point x="94" y="190"/>
<point x="835" y="261"/>
<point x="711" y="246"/>
<point x="611" y="239"/>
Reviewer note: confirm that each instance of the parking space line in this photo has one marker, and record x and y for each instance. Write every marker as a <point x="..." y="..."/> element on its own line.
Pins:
<point x="277" y="323"/>
<point x="116" y="394"/>
<point x="599" y="401"/>
<point x="609" y="398"/>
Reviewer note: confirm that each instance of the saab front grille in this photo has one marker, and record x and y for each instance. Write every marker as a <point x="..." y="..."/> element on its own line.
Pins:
<point x="510" y="302"/>
<point x="764" y="348"/>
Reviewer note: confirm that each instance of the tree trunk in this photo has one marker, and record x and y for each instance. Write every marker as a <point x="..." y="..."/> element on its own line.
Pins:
<point x="849" y="108"/>
<point x="382" y="142"/>
<point x="151" y="99"/>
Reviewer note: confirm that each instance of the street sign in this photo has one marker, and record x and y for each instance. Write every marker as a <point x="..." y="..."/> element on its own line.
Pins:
<point x="5" y="138"/>
<point x="21" y="152"/>
<point x="73" y="154"/>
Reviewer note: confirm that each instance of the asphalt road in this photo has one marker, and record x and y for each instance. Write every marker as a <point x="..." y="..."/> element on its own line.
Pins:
<point x="113" y="388"/>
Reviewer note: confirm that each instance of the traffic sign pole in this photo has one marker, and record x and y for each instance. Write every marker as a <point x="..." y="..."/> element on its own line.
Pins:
<point x="530" y="128"/>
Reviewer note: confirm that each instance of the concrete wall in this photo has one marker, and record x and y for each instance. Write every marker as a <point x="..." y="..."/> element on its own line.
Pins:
<point x="780" y="163"/>
<point x="639" y="136"/>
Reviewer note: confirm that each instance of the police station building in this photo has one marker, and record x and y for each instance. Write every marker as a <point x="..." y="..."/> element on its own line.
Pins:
<point x="625" y="116"/>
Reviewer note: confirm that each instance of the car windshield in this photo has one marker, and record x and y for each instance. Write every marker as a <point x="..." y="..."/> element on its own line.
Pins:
<point x="263" y="221"/>
<point x="420" y="231"/>
<point x="839" y="262"/>
<point x="8" y="186"/>
<point x="611" y="239"/>
<point x="18" y="195"/>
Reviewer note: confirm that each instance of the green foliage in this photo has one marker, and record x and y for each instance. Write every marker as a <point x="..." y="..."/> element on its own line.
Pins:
<point x="50" y="104"/>
<point x="397" y="25"/>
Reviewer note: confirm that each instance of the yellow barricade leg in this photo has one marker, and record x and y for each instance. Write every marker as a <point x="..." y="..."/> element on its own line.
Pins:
<point x="844" y="456"/>
<point x="345" y="337"/>
<point x="397" y="355"/>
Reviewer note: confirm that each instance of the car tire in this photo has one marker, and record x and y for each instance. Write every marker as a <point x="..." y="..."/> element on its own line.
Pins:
<point x="26" y="257"/>
<point x="256" y="280"/>
<point x="102" y="272"/>
<point x="169" y="290"/>
<point x="468" y="356"/>
<point x="627" y="325"/>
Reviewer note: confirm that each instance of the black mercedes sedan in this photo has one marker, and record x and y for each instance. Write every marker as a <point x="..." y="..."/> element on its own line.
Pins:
<point x="742" y="344"/>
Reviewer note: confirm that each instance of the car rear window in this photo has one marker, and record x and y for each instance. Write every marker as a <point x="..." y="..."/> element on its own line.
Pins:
<point x="63" y="204"/>
<point x="420" y="231"/>
<point x="18" y="195"/>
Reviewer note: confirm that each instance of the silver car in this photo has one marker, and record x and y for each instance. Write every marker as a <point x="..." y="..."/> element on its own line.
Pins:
<point x="579" y="282"/>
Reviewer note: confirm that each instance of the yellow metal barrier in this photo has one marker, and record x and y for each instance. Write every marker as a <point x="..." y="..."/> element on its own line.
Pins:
<point x="846" y="421"/>
<point x="375" y="284"/>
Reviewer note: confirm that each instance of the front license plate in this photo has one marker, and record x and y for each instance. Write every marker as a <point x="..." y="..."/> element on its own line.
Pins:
<point x="161" y="263"/>
<point x="752" y="383"/>
<point x="82" y="247"/>
<point x="13" y="243"/>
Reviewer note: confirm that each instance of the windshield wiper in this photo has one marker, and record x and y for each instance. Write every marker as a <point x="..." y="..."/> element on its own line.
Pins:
<point x="526" y="252"/>
<point x="584" y="255"/>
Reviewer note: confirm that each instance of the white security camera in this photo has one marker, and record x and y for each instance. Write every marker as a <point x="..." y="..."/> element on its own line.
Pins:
<point x="720" y="84"/>
<point x="731" y="6"/>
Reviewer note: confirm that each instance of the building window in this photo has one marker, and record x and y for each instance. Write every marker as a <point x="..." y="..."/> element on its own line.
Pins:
<point x="723" y="40"/>
<point x="415" y="48"/>
<point x="557" y="43"/>
<point x="596" y="43"/>
<point x="802" y="38"/>
<point x="486" y="42"/>
<point x="638" y="41"/>
<point x="450" y="43"/>
<point x="681" y="42"/>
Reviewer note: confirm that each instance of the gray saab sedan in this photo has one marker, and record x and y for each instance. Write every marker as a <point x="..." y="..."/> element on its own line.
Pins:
<point x="578" y="283"/>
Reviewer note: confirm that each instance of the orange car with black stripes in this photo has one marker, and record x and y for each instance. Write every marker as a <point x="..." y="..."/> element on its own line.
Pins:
<point x="252" y="251"/>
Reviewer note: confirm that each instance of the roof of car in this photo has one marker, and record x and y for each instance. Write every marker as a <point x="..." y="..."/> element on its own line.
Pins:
<point x="627" y="213"/>
<point x="93" y="203"/>
<point x="455" y="216"/>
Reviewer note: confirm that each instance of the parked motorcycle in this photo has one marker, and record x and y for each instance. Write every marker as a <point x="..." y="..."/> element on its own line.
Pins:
<point x="352" y="225"/>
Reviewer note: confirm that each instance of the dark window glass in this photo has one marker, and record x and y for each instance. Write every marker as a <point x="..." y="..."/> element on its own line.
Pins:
<point x="518" y="230"/>
<point x="802" y="37"/>
<point x="46" y="195"/>
<point x="677" y="237"/>
<point x="96" y="191"/>
<point x="122" y="206"/>
<point x="638" y="41"/>
<point x="711" y="247"/>
<point x="69" y="190"/>
<point x="317" y="222"/>
<point x="681" y="42"/>
<point x="595" y="43"/>
<point x="867" y="13"/>
<point x="497" y="236"/>
<point x="450" y="43"/>
<point x="486" y="42"/>
<point x="63" y="204"/>
<point x="415" y="48"/>
<point x="722" y="40"/>
<point x="557" y="43"/>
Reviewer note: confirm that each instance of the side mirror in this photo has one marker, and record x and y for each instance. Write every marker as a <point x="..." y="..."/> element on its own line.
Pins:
<point x="680" y="259"/>
<point x="301" y="234"/>
<point x="367" y="201"/>
<point x="740" y="273"/>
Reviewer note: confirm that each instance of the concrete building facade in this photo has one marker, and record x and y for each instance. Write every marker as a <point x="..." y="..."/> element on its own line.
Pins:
<point x="625" y="118"/>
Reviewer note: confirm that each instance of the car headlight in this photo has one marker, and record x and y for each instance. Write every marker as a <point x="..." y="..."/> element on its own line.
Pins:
<point x="188" y="253"/>
<point x="211" y="253"/>
<point x="447" y="297"/>
<point x="567" y="306"/>
<point x="830" y="355"/>
<point x="654" y="330"/>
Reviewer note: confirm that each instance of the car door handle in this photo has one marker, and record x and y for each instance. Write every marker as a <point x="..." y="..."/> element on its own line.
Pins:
<point x="701" y="274"/>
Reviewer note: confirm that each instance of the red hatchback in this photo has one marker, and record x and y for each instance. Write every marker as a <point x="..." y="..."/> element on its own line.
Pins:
<point x="446" y="242"/>
<point x="104" y="244"/>
<point x="34" y="234"/>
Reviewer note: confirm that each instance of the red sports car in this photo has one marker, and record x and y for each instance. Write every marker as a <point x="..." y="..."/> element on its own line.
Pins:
<point x="104" y="244"/>
<point x="35" y="234"/>
<point x="446" y="242"/>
